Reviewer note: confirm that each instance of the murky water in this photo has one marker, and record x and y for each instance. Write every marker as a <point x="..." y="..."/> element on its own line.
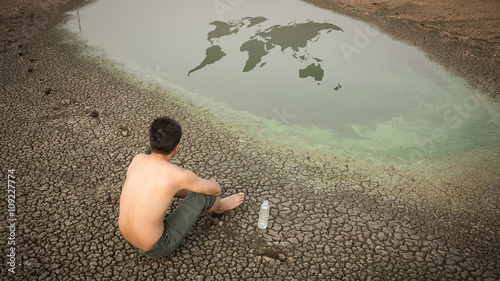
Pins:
<point x="296" y="74"/>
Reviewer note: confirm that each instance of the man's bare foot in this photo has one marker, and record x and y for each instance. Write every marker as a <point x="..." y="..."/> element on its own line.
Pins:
<point x="229" y="203"/>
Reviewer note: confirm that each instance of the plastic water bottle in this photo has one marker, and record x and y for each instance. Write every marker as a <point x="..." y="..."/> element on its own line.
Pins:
<point x="264" y="215"/>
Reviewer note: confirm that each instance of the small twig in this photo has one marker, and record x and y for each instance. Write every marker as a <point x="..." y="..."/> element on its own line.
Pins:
<point x="79" y="25"/>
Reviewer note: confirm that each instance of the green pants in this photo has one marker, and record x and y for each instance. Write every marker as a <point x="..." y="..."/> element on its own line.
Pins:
<point x="178" y="223"/>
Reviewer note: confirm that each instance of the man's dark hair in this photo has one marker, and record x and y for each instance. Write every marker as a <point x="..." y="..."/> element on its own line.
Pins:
<point x="164" y="135"/>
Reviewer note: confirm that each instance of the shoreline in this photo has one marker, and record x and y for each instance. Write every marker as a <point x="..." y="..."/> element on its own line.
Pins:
<point x="71" y="126"/>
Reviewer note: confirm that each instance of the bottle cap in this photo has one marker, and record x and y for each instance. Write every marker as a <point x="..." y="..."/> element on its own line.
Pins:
<point x="266" y="202"/>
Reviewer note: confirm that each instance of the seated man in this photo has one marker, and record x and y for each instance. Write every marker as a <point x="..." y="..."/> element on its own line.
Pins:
<point x="151" y="183"/>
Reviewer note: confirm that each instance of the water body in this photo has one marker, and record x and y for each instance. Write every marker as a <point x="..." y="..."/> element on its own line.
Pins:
<point x="296" y="74"/>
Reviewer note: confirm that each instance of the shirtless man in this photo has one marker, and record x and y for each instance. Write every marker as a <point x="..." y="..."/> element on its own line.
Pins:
<point x="152" y="182"/>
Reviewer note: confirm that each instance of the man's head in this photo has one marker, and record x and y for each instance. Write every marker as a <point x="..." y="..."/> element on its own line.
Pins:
<point x="164" y="135"/>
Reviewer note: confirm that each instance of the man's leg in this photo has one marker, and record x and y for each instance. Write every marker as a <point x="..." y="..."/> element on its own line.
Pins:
<point x="182" y="219"/>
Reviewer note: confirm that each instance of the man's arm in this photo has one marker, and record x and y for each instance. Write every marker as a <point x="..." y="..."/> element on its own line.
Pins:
<point x="192" y="182"/>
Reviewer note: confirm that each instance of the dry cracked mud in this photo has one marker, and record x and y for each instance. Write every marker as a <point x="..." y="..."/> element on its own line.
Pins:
<point x="70" y="126"/>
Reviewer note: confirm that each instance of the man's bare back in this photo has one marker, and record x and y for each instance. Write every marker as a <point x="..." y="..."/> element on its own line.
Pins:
<point x="151" y="183"/>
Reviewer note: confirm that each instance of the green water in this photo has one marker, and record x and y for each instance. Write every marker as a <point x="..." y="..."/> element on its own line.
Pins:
<point x="299" y="76"/>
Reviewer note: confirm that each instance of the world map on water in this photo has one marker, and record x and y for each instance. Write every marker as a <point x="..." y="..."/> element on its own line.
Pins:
<point x="293" y="36"/>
